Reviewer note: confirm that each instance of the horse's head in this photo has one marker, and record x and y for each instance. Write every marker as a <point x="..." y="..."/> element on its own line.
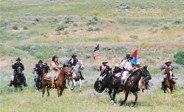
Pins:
<point x="145" y="72"/>
<point x="19" y="70"/>
<point x="80" y="64"/>
<point x="65" y="69"/>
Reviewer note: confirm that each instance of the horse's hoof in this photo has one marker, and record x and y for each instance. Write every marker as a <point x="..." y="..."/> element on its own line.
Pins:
<point x="121" y="103"/>
<point x="133" y="105"/>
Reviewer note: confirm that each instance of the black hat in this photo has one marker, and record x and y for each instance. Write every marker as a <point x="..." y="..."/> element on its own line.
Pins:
<point x="74" y="55"/>
<point x="18" y="59"/>
<point x="128" y="56"/>
<point x="40" y="61"/>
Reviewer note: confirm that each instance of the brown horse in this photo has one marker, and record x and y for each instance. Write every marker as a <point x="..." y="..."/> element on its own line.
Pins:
<point x="59" y="82"/>
<point x="18" y="79"/>
<point x="168" y="83"/>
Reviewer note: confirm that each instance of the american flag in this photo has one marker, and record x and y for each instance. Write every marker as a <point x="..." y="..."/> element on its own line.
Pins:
<point x="96" y="51"/>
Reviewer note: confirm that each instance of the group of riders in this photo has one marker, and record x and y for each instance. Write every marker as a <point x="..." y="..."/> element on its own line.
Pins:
<point x="54" y="71"/>
<point x="123" y="70"/>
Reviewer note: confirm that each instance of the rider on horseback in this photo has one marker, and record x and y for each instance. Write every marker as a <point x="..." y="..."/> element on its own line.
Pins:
<point x="126" y="67"/>
<point x="117" y="69"/>
<point x="38" y="67"/>
<point x="55" y="68"/>
<point x="103" y="68"/>
<point x="167" y="69"/>
<point x="72" y="63"/>
<point x="15" y="67"/>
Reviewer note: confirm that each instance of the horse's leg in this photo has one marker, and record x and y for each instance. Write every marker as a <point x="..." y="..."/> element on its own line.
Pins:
<point x="110" y="92"/>
<point x="168" y="90"/>
<point x="43" y="90"/>
<point x="126" y="96"/>
<point x="58" y="91"/>
<point x="80" y="81"/>
<point x="74" y="82"/>
<point x="136" y="96"/>
<point x="61" y="91"/>
<point x="114" y="94"/>
<point x="48" y="94"/>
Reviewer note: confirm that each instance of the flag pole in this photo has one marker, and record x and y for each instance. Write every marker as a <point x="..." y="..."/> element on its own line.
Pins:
<point x="99" y="59"/>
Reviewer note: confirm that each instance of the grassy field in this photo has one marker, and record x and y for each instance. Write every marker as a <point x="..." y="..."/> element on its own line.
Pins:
<point x="39" y="29"/>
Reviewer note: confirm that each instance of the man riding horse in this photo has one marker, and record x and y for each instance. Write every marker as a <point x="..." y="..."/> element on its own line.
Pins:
<point x="103" y="68"/>
<point x="127" y="68"/>
<point x="167" y="69"/>
<point x="15" y="67"/>
<point x="72" y="63"/>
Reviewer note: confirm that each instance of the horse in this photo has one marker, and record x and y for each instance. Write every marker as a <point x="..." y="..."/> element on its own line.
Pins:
<point x="131" y="85"/>
<point x="18" y="79"/>
<point x="75" y="76"/>
<point x="59" y="82"/>
<point x="112" y="83"/>
<point x="169" y="83"/>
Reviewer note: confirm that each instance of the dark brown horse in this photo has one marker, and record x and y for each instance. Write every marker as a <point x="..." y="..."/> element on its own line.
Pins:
<point x="168" y="83"/>
<point x="18" y="79"/>
<point x="112" y="83"/>
<point x="131" y="84"/>
<point x="59" y="82"/>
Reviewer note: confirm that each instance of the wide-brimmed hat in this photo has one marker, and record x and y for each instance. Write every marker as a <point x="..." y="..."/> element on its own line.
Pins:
<point x="103" y="62"/>
<point x="116" y="65"/>
<point x="168" y="61"/>
<point x="128" y="56"/>
<point x="40" y="61"/>
<point x="18" y="59"/>
<point x="74" y="55"/>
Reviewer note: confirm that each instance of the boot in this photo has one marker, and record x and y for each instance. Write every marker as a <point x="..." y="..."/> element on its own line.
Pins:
<point x="25" y="84"/>
<point x="53" y="86"/>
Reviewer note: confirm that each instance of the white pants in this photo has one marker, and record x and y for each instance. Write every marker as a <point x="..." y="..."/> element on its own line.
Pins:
<point x="125" y="73"/>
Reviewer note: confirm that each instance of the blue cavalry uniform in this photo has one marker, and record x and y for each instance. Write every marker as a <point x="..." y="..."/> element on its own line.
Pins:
<point x="72" y="63"/>
<point x="15" y="67"/>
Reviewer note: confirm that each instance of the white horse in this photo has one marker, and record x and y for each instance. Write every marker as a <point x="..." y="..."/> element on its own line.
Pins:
<point x="76" y="75"/>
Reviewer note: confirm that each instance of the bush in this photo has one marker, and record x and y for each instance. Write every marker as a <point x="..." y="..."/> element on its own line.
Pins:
<point x="179" y="57"/>
<point x="93" y="21"/>
<point x="165" y="27"/>
<point x="177" y="21"/>
<point x="15" y="27"/>
<point x="90" y="29"/>
<point x="134" y="36"/>
<point x="60" y="28"/>
<point x="68" y="20"/>
<point x="25" y="28"/>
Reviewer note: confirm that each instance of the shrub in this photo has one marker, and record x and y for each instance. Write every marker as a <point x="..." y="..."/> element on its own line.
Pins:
<point x="93" y="21"/>
<point x="165" y="27"/>
<point x="179" y="57"/>
<point x="97" y="28"/>
<point x="60" y="28"/>
<point x="15" y="27"/>
<point x="177" y="21"/>
<point x="134" y="36"/>
<point x="90" y="28"/>
<point x="68" y="20"/>
<point x="25" y="28"/>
